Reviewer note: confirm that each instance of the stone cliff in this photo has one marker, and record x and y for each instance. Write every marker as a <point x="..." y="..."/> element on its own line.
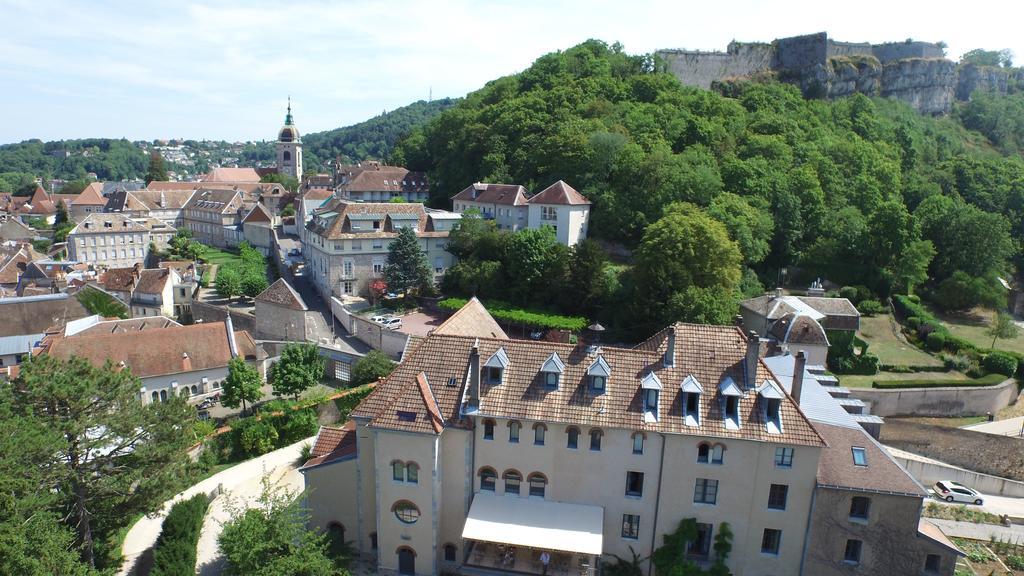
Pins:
<point x="915" y="72"/>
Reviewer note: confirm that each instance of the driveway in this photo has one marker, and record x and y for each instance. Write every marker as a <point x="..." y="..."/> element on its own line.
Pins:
<point x="1001" y="505"/>
<point x="420" y="323"/>
<point x="241" y="481"/>
<point x="1008" y="427"/>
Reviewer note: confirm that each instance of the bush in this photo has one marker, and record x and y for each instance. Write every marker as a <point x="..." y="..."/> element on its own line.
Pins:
<point x="1000" y="363"/>
<point x="511" y="315"/>
<point x="849" y="292"/>
<point x="175" y="551"/>
<point x="914" y="298"/>
<point x="936" y="341"/>
<point x="257" y="437"/>
<point x="870" y="307"/>
<point x="914" y="322"/>
<point x="370" y="368"/>
<point x="990" y="380"/>
<point x="297" y="424"/>
<point x="1015" y="562"/>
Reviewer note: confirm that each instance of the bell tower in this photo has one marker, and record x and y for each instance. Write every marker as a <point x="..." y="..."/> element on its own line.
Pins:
<point x="289" y="147"/>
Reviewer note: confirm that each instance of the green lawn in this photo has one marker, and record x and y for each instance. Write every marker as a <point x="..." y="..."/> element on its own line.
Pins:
<point x="857" y="381"/>
<point x="972" y="326"/>
<point x="877" y="331"/>
<point x="220" y="257"/>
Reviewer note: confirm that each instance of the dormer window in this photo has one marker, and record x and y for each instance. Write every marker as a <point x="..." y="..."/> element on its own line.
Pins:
<point x="691" y="390"/>
<point x="731" y="395"/>
<point x="598" y="374"/>
<point x="495" y="367"/>
<point x="650" y="388"/>
<point x="552" y="371"/>
<point x="771" y="402"/>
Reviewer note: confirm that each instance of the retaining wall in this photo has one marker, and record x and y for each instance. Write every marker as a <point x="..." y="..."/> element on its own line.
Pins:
<point x="928" y="473"/>
<point x="945" y="401"/>
<point x="390" y="342"/>
<point x="210" y="313"/>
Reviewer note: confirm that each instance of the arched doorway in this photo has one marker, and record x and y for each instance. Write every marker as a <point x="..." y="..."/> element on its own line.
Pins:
<point x="406" y="561"/>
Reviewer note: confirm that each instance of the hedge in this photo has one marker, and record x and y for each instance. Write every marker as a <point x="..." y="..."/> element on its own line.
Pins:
<point x="175" y="551"/>
<point x="1000" y="363"/>
<point x="910" y="368"/>
<point x="989" y="380"/>
<point x="509" y="314"/>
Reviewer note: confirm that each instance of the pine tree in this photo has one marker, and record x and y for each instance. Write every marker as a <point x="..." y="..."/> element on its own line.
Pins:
<point x="242" y="386"/>
<point x="157" y="171"/>
<point x="407" y="265"/>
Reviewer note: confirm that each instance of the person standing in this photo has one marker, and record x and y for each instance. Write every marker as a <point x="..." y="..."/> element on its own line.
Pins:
<point x="545" y="558"/>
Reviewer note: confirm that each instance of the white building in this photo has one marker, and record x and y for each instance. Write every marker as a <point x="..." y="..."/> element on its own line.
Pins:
<point x="112" y="240"/>
<point x="512" y="208"/>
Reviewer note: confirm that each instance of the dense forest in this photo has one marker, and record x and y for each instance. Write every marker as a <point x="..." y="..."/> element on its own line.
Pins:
<point x="859" y="191"/>
<point x="109" y="159"/>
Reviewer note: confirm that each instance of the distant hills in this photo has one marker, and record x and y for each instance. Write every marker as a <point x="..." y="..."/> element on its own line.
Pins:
<point x="113" y="159"/>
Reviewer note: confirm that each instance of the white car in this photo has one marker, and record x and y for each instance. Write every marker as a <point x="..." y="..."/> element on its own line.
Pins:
<point x="951" y="491"/>
<point x="392" y="323"/>
<point x="378" y="319"/>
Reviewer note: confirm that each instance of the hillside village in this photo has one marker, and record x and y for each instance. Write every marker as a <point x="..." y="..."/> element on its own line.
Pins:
<point x="776" y="336"/>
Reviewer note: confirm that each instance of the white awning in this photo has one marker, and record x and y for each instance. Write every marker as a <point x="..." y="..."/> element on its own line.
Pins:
<point x="535" y="523"/>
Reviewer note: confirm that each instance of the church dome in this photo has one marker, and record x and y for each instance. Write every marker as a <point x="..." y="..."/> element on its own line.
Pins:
<point x="288" y="134"/>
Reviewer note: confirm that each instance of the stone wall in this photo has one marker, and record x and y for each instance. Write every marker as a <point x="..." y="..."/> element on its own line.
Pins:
<point x="951" y="401"/>
<point x="835" y="49"/>
<point x="275" y="322"/>
<point x="390" y="342"/>
<point x="203" y="312"/>
<point x="701" y="69"/>
<point x="928" y="472"/>
<point x="902" y="50"/>
<point x="800" y="52"/>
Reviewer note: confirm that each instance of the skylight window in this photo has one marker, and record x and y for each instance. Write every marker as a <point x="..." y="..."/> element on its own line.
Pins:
<point x="860" y="456"/>
<point x="405" y="416"/>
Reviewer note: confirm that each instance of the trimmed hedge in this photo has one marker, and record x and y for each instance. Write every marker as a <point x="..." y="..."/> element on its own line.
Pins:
<point x="512" y="315"/>
<point x="910" y="368"/>
<point x="1000" y="363"/>
<point x="989" y="380"/>
<point x="175" y="551"/>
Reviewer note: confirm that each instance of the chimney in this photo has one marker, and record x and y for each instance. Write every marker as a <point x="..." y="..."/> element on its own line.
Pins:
<point x="135" y="272"/>
<point x="669" y="360"/>
<point x="737" y="320"/>
<point x="750" y="362"/>
<point x="231" y="336"/>
<point x="474" y="376"/>
<point x="799" y="363"/>
<point x="186" y="362"/>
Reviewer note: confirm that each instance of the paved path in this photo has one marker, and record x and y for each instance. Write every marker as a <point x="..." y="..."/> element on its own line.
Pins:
<point x="1013" y="533"/>
<point x="237" y="479"/>
<point x="1008" y="427"/>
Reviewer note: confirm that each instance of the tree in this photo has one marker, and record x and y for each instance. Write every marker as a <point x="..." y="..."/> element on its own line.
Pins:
<point x="749" y="226"/>
<point x="272" y="539"/>
<point x="62" y="216"/>
<point x="242" y="386"/>
<point x="912" y="265"/>
<point x="966" y="238"/>
<point x="254" y="282"/>
<point x="290" y="183"/>
<point x="182" y="245"/>
<point x="407" y="267"/>
<point x="536" y="264"/>
<point x="371" y="368"/>
<point x="962" y="291"/>
<point x="114" y="455"/>
<point x="983" y="57"/>
<point x="228" y="282"/>
<point x="156" y="171"/>
<point x="590" y="283"/>
<point x="1002" y="326"/>
<point x="301" y="367"/>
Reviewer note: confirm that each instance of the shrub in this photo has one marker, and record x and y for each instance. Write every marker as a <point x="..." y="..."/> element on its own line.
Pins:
<point x="297" y="425"/>
<point x="257" y="437"/>
<point x="175" y="551"/>
<point x="1000" y="363"/>
<point x="512" y="315"/>
<point x="370" y="368"/>
<point x="914" y="322"/>
<point x="849" y="292"/>
<point x="936" y="341"/>
<point x="914" y="298"/>
<point x="1015" y="562"/>
<point x="870" y="307"/>
<point x="990" y="380"/>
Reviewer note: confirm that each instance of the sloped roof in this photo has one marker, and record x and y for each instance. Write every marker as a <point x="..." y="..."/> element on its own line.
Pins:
<point x="832" y="313"/>
<point x="32" y="315"/>
<point x="506" y="194"/>
<point x="559" y="193"/>
<point x="707" y="352"/>
<point x="280" y="293"/>
<point x="258" y="214"/>
<point x="118" y="279"/>
<point x="471" y="320"/>
<point x="241" y="175"/>
<point x="796" y="328"/>
<point x="164" y="185"/>
<point x="153" y="280"/>
<point x="334" y="220"/>
<point x="97" y="223"/>
<point x="928" y="530"/>
<point x="882" y="473"/>
<point x="374" y="177"/>
<point x="10" y="270"/>
<point x="91" y="196"/>
<point x="157" y="351"/>
<point x="14" y="229"/>
<point x="171" y="199"/>
<point x="217" y="200"/>
<point x="132" y="325"/>
<point x="332" y="444"/>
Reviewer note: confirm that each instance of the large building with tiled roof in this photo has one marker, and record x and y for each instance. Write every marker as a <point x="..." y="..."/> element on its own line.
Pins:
<point x="512" y="208"/>
<point x="214" y="215"/>
<point x="480" y="452"/>
<point x="347" y="242"/>
<point x="799" y="322"/>
<point x="115" y="240"/>
<point x="371" y="181"/>
<point x="169" y="360"/>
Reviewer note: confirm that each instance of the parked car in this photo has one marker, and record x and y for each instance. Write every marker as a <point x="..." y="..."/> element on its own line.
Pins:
<point x="536" y="335"/>
<point x="392" y="323"/>
<point x="379" y="319"/>
<point x="295" y="252"/>
<point x="207" y="403"/>
<point x="203" y="415"/>
<point x="951" y="491"/>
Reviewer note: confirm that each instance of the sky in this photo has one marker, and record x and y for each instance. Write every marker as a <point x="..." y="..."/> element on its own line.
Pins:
<point x="223" y="70"/>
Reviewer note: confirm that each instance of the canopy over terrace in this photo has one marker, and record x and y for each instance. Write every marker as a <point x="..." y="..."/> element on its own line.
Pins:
<point x="535" y="523"/>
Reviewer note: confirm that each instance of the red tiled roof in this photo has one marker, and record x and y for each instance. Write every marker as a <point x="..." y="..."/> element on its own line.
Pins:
<point x="332" y="444"/>
<point x="507" y="194"/>
<point x="559" y="193"/>
<point x="153" y="280"/>
<point x="130" y="325"/>
<point x="91" y="196"/>
<point x="119" y="279"/>
<point x="340" y="226"/>
<point x="163" y="199"/>
<point x="9" y="267"/>
<point x="240" y="175"/>
<point x="280" y="293"/>
<point x="162" y="185"/>
<point x="373" y="177"/>
<point x="257" y="214"/>
<point x="471" y="320"/>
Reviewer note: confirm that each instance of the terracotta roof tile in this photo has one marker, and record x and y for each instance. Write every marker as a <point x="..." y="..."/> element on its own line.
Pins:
<point x="506" y="194"/>
<point x="338" y="223"/>
<point x="153" y="280"/>
<point x="471" y="320"/>
<point x="130" y="325"/>
<point x="373" y="177"/>
<point x="12" y="265"/>
<point x="281" y="293"/>
<point x="332" y="444"/>
<point x="258" y="214"/>
<point x="36" y="315"/>
<point x="170" y="199"/>
<point x="933" y="532"/>
<point x="91" y="196"/>
<point x="837" y="469"/>
<point x="798" y="329"/>
<point x="559" y="193"/>
<point x="119" y="279"/>
<point x="242" y="175"/>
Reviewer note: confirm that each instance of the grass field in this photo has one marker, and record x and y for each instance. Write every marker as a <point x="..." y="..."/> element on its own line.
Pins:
<point x="857" y="381"/>
<point x="220" y="257"/>
<point x="877" y="331"/>
<point x="972" y="326"/>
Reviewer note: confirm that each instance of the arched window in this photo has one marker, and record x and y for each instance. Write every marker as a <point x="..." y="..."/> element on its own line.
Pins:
<point x="595" y="439"/>
<point x="336" y="535"/>
<point x="286" y="156"/>
<point x="513" y="431"/>
<point x="512" y="481"/>
<point x="703" y="453"/>
<point x="488" y="429"/>
<point x="717" y="453"/>
<point x="539" y="431"/>
<point x="406" y="512"/>
<point x="155" y="396"/>
<point x="183" y="391"/>
<point x="412" y="473"/>
<point x="398" y="471"/>
<point x="537" y="483"/>
<point x="194" y="389"/>
<point x="638" y="442"/>
<point x="488" y="478"/>
<point x="450" y="552"/>
<point x="163" y="395"/>
<point x="573" y="437"/>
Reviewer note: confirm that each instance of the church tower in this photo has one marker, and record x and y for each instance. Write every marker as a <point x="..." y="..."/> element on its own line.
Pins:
<point x="289" y="147"/>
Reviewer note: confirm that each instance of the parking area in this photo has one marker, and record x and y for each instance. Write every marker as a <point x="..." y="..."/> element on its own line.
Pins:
<point x="420" y="323"/>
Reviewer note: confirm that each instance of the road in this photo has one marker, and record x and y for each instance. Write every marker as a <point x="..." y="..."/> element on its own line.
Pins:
<point x="1008" y="427"/>
<point x="984" y="532"/>
<point x="241" y="482"/>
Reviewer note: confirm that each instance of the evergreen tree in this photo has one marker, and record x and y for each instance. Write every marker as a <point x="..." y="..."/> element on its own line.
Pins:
<point x="301" y="367"/>
<point x="407" y="266"/>
<point x="242" y="386"/>
<point x="114" y="455"/>
<point x="157" y="171"/>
